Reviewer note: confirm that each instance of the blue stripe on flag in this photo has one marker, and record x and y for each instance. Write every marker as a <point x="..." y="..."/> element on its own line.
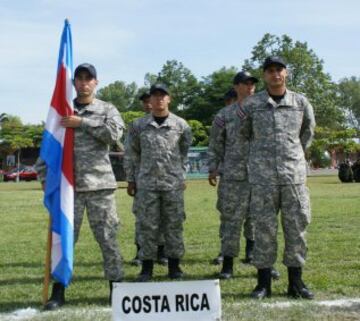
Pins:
<point x="63" y="271"/>
<point x="51" y="152"/>
<point x="66" y="43"/>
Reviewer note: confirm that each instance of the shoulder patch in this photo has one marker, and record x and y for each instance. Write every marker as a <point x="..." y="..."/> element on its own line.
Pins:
<point x="219" y="121"/>
<point x="241" y="113"/>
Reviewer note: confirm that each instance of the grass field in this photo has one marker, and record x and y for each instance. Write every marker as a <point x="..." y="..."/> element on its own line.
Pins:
<point x="332" y="270"/>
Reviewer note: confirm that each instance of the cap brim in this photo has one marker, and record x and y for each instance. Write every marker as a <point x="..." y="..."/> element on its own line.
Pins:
<point x="159" y="89"/>
<point x="253" y="79"/>
<point x="274" y="64"/>
<point x="84" y="69"/>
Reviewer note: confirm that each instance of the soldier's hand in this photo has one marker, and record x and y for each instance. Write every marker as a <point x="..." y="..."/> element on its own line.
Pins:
<point x="71" y="121"/>
<point x="131" y="189"/>
<point x="184" y="186"/>
<point x="212" y="178"/>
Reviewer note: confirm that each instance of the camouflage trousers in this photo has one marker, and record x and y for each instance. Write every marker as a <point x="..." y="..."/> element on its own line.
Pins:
<point x="103" y="220"/>
<point x="156" y="209"/>
<point x="294" y="204"/>
<point x="161" y="237"/>
<point x="233" y="205"/>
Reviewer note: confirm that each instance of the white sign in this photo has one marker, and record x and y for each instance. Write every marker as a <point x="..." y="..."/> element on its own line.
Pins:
<point x="175" y="301"/>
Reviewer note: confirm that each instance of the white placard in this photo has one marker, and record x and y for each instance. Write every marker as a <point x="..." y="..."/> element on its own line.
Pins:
<point x="174" y="301"/>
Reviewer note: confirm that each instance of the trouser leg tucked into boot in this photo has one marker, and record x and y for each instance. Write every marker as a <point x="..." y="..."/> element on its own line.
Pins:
<point x="263" y="287"/>
<point x="57" y="298"/>
<point x="174" y="269"/>
<point x="249" y="249"/>
<point x="146" y="271"/>
<point x="136" y="261"/>
<point x="218" y="260"/>
<point x="297" y="288"/>
<point x="227" y="268"/>
<point x="275" y="274"/>
<point x="161" y="258"/>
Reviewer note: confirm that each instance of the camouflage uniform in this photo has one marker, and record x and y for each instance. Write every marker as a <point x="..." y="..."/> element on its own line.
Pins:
<point x="135" y="210"/>
<point x="159" y="153"/>
<point x="228" y="153"/>
<point x="279" y="134"/>
<point x="95" y="182"/>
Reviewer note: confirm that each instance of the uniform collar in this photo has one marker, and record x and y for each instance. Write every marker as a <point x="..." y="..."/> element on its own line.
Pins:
<point x="90" y="107"/>
<point x="287" y="100"/>
<point x="169" y="121"/>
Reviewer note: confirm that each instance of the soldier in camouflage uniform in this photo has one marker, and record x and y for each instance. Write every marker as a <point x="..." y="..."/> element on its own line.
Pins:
<point x="155" y="155"/>
<point x="161" y="259"/>
<point x="228" y="154"/>
<point x="97" y="125"/>
<point x="280" y="125"/>
<point x="230" y="98"/>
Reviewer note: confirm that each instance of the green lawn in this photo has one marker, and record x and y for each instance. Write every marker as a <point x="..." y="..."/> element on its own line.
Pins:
<point x="332" y="270"/>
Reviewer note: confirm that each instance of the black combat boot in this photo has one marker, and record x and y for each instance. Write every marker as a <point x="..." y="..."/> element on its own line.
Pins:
<point x="146" y="271"/>
<point x="111" y="290"/>
<point x="174" y="269"/>
<point x="249" y="249"/>
<point x="297" y="288"/>
<point x="161" y="258"/>
<point x="263" y="288"/>
<point x="136" y="261"/>
<point x="227" y="268"/>
<point x="275" y="274"/>
<point x="57" y="298"/>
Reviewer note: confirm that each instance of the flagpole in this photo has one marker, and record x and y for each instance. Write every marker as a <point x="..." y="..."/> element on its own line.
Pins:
<point x="47" y="264"/>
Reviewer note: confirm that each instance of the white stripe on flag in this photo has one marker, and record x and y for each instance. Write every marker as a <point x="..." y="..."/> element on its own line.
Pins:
<point x="69" y="87"/>
<point x="56" y="251"/>
<point x="67" y="200"/>
<point x="53" y="126"/>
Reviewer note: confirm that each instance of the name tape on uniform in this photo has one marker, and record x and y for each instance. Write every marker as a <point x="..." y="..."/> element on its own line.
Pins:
<point x="160" y="301"/>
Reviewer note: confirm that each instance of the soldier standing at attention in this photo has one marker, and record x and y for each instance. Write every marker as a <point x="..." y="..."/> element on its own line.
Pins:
<point x="157" y="146"/>
<point x="280" y="126"/>
<point x="161" y="259"/>
<point x="228" y="155"/>
<point x="230" y="98"/>
<point x="97" y="125"/>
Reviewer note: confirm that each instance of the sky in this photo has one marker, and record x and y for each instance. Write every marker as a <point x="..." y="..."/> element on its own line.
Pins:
<point x="125" y="39"/>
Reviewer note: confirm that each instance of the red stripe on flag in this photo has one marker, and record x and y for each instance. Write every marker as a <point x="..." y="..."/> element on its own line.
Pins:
<point x="59" y="101"/>
<point x="68" y="156"/>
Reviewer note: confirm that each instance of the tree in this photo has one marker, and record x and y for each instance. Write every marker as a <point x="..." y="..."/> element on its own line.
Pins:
<point x="211" y="98"/>
<point x="183" y="85"/>
<point x="15" y="136"/>
<point x="199" y="132"/>
<point x="130" y="116"/>
<point x="332" y="141"/>
<point x="122" y="95"/>
<point x="349" y="97"/>
<point x="306" y="75"/>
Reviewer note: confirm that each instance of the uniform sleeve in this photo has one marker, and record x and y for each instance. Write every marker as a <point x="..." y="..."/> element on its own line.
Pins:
<point x="216" y="150"/>
<point x="132" y="153"/>
<point x="108" y="129"/>
<point x="308" y="126"/>
<point x="40" y="167"/>
<point x="185" y="143"/>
